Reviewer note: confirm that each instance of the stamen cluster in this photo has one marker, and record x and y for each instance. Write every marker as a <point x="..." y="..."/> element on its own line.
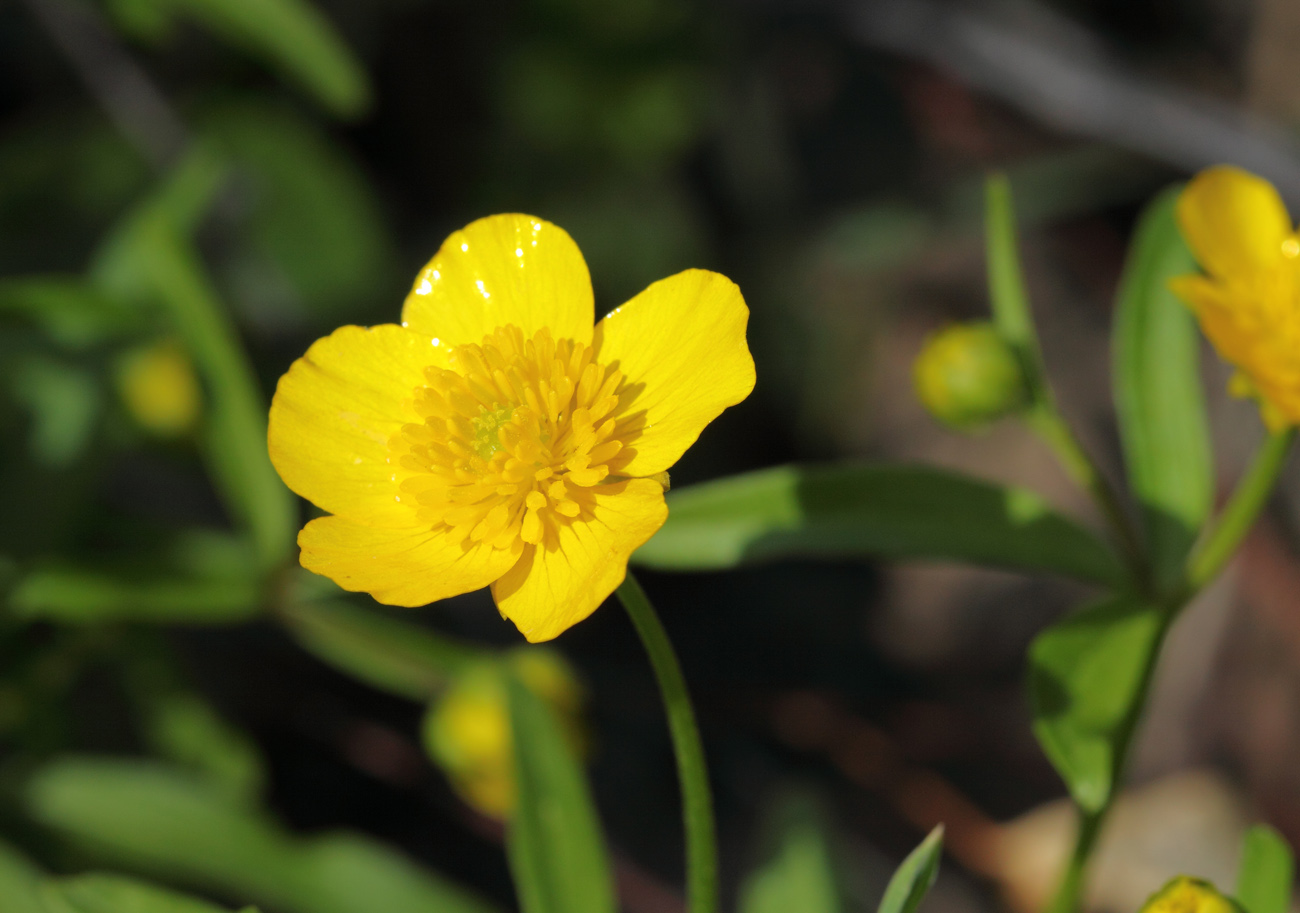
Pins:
<point x="513" y="437"/>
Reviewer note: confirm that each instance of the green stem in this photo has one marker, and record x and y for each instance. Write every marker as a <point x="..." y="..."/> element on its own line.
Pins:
<point x="1070" y="891"/>
<point x="1204" y="564"/>
<point x="1213" y="552"/>
<point x="1048" y="424"/>
<point x="697" y="800"/>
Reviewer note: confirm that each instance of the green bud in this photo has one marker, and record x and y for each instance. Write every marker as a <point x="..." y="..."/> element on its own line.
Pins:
<point x="968" y="376"/>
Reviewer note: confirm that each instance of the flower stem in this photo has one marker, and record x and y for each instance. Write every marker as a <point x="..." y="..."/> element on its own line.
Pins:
<point x="1213" y="552"/>
<point x="697" y="799"/>
<point x="1048" y="424"/>
<point x="1204" y="564"/>
<point x="1070" y="891"/>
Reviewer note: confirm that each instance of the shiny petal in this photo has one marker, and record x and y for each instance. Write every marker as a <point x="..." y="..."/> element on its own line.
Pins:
<point x="333" y="413"/>
<point x="557" y="584"/>
<point x="406" y="567"/>
<point x="681" y="347"/>
<point x="1234" y="222"/>
<point x="499" y="270"/>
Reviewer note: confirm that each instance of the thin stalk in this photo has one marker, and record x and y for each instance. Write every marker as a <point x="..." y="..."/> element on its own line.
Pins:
<point x="1213" y="552"/>
<point x="1048" y="424"/>
<point x="697" y="798"/>
<point x="1070" y="891"/>
<point x="1204" y="564"/>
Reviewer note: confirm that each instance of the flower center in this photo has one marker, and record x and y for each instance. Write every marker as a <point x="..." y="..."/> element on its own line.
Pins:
<point x="512" y="437"/>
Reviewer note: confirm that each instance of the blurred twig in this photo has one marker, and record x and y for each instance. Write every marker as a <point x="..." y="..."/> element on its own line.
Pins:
<point x="1059" y="74"/>
<point x="135" y="105"/>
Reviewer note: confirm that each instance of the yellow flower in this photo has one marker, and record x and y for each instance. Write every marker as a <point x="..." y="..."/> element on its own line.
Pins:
<point x="497" y="437"/>
<point x="1189" y="895"/>
<point x="1248" y="302"/>
<point x="467" y="730"/>
<point x="159" y="388"/>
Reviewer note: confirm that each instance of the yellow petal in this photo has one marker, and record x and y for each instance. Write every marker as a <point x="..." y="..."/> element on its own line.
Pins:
<point x="681" y="347"/>
<point x="500" y="270"/>
<point x="1234" y="222"/>
<point x="560" y="582"/>
<point x="406" y="567"/>
<point x="333" y="413"/>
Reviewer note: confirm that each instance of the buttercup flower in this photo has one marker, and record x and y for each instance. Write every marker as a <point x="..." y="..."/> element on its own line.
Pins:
<point x="1189" y="895"/>
<point x="467" y="730"/>
<point x="1248" y="301"/>
<point x="159" y="388"/>
<point x="496" y="437"/>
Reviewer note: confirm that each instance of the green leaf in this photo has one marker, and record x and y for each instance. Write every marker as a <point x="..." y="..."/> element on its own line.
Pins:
<point x="1267" y="868"/>
<point x="913" y="879"/>
<point x="1010" y="303"/>
<point x="1158" y="392"/>
<point x="64" y="403"/>
<point x="96" y="893"/>
<point x="879" y="511"/>
<point x="312" y="241"/>
<point x="294" y="37"/>
<point x="70" y="310"/>
<point x="348" y="873"/>
<point x="77" y="596"/>
<point x="1086" y="675"/>
<point x="800" y="875"/>
<point x="554" y="840"/>
<point x="186" y="729"/>
<point x="383" y="652"/>
<point x="20" y="882"/>
<point x="152" y="818"/>
<point x="149" y="256"/>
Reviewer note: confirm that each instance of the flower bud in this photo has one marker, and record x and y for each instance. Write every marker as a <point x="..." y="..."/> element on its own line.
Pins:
<point x="467" y="730"/>
<point x="158" y="386"/>
<point x="1189" y="895"/>
<point x="967" y="376"/>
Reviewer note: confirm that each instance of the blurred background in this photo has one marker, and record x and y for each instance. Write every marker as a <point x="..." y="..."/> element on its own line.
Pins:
<point x="829" y="157"/>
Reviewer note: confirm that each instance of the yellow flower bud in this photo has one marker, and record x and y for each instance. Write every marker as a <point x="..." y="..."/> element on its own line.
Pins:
<point x="158" y="386"/>
<point x="1189" y="895"/>
<point x="967" y="376"/>
<point x="467" y="730"/>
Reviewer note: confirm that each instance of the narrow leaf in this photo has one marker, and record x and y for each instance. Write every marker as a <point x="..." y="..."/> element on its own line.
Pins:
<point x="1158" y="391"/>
<point x="1086" y="675"/>
<point x="1267" y="869"/>
<point x="294" y="37"/>
<point x="555" y="844"/>
<point x="913" y="879"/>
<point x="70" y="310"/>
<point x="899" y="512"/>
<point x="381" y="651"/>
<point x="20" y="882"/>
<point x="1007" y="297"/>
<point x="1007" y="294"/>
<point x="97" y="893"/>
<point x="800" y="875"/>
<point x="77" y="596"/>
<point x="149" y="257"/>
<point x="157" y="820"/>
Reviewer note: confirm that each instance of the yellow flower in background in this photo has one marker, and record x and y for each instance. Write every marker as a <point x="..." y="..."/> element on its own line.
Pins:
<point x="1248" y="301"/>
<point x="496" y="437"/>
<point x="467" y="730"/>
<point x="159" y="388"/>
<point x="1189" y="895"/>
